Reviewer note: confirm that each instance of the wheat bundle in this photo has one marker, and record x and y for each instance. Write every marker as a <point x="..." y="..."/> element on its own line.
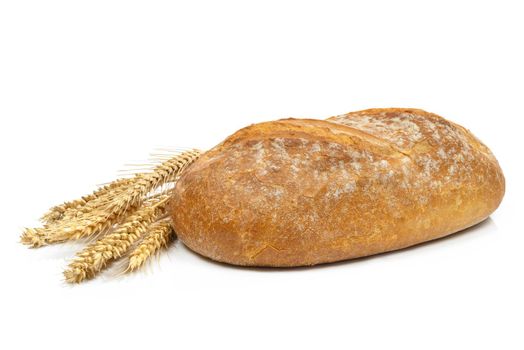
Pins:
<point x="126" y="217"/>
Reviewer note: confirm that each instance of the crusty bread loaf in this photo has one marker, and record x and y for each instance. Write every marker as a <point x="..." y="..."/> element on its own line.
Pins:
<point x="302" y="192"/>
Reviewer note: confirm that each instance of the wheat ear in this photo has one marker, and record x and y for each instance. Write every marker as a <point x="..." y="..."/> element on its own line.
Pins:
<point x="34" y="237"/>
<point x="67" y="212"/>
<point x="58" y="212"/>
<point x="97" y="255"/>
<point x="109" y="207"/>
<point x="158" y="236"/>
<point x="132" y="196"/>
<point x="96" y="222"/>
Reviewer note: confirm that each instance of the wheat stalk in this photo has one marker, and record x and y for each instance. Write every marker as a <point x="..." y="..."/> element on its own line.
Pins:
<point x="79" y="218"/>
<point x="97" y="255"/>
<point x="158" y="236"/>
<point x="105" y="208"/>
<point x="122" y="212"/>
<point x="145" y="183"/>
<point x="88" y="225"/>
<point x="58" y="212"/>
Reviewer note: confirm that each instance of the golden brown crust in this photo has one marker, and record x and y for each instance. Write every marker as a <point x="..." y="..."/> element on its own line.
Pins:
<point x="300" y="192"/>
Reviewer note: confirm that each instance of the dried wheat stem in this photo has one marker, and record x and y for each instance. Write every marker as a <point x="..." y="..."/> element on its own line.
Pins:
<point x="89" y="225"/>
<point x="107" y="207"/>
<point x="144" y="183"/>
<point x="126" y="208"/>
<point x="58" y="212"/>
<point x="96" y="204"/>
<point x="165" y="172"/>
<point x="171" y="169"/>
<point x="158" y="236"/>
<point x="97" y="255"/>
<point x="103" y="212"/>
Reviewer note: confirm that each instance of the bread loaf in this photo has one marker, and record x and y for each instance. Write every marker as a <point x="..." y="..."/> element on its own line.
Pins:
<point x="297" y="192"/>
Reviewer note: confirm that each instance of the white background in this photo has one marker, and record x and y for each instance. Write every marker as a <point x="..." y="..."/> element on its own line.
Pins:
<point x="87" y="86"/>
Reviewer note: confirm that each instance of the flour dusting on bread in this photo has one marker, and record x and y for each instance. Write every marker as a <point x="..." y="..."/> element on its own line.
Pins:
<point x="300" y="191"/>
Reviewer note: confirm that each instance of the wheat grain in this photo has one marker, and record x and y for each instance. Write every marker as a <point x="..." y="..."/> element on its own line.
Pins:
<point x="97" y="255"/>
<point x="33" y="237"/>
<point x="158" y="236"/>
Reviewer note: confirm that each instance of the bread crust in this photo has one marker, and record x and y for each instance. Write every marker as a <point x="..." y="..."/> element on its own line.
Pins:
<point x="298" y="192"/>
